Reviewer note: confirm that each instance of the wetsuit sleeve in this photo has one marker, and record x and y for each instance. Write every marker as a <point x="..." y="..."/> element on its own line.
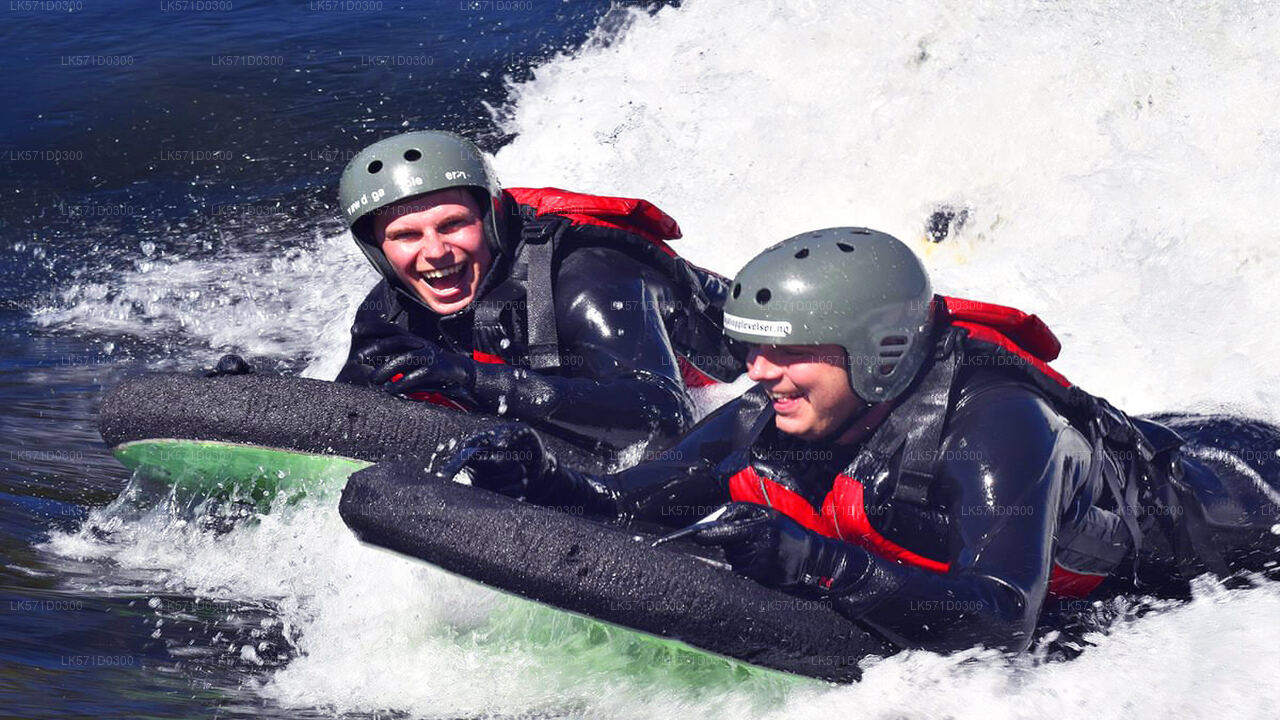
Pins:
<point x="675" y="486"/>
<point x="1003" y="465"/>
<point x="619" y="381"/>
<point x="377" y="305"/>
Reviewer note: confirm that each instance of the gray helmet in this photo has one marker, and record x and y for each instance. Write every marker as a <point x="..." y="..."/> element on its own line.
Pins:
<point x="857" y="288"/>
<point x="413" y="164"/>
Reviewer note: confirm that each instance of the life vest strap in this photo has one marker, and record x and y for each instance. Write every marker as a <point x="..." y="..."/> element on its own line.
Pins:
<point x="488" y="328"/>
<point x="921" y="424"/>
<point x="538" y="240"/>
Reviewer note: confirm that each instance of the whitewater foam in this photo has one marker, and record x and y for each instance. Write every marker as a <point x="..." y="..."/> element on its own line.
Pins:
<point x="1115" y="161"/>
<point x="1115" y="164"/>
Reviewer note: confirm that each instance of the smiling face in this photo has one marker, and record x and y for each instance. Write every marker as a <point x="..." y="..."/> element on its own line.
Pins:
<point x="437" y="247"/>
<point x="809" y="386"/>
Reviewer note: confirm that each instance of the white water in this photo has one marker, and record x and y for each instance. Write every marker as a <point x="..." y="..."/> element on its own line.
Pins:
<point x="1118" y="160"/>
<point x="234" y="304"/>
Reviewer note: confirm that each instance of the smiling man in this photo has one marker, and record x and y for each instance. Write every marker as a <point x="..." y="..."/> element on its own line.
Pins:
<point x="914" y="461"/>
<point x="436" y="245"/>
<point x="565" y="310"/>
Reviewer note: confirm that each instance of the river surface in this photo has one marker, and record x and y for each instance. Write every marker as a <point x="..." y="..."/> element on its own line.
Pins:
<point x="168" y="195"/>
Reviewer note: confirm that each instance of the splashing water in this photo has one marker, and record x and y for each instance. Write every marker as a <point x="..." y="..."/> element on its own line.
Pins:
<point x="1107" y="166"/>
<point x="1114" y="162"/>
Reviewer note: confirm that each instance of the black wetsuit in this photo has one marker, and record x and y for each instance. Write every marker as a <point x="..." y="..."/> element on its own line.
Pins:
<point x="619" y="381"/>
<point x="1017" y="491"/>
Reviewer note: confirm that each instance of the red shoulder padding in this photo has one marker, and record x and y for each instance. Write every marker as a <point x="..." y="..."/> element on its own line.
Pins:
<point x="638" y="216"/>
<point x="1066" y="583"/>
<point x="986" y="334"/>
<point x="436" y="398"/>
<point x="843" y="515"/>
<point x="692" y="376"/>
<point x="1026" y="331"/>
<point x="489" y="358"/>
<point x="845" y="506"/>
<point x="748" y="486"/>
<point x="1010" y="329"/>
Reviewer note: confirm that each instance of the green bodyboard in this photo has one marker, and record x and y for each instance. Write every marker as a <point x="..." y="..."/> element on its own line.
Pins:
<point x="223" y="469"/>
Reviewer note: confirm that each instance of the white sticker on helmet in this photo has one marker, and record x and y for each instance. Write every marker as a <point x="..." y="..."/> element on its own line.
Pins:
<point x="405" y="180"/>
<point x="767" y="328"/>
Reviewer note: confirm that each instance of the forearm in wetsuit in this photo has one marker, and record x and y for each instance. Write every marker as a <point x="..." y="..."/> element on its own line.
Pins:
<point x="619" y="379"/>
<point x="1004" y="462"/>
<point x="676" y="486"/>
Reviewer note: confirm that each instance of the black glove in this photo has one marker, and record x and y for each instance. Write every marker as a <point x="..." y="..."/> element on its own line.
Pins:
<point x="230" y="364"/>
<point x="510" y="460"/>
<point x="776" y="551"/>
<point x="407" y="363"/>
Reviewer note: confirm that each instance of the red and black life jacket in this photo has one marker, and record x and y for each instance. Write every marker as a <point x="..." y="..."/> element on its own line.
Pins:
<point x="976" y="333"/>
<point x="550" y="218"/>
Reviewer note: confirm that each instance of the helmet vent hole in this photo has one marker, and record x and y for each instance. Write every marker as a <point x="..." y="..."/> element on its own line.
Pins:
<point x="737" y="290"/>
<point x="891" y="351"/>
<point x="413" y="155"/>
<point x="763" y="296"/>
<point x="887" y="369"/>
<point x="804" y="253"/>
<point x="375" y="166"/>
<point x="844" y="247"/>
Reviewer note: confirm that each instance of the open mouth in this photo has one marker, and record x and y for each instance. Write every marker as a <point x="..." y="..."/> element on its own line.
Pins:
<point x="785" y="402"/>
<point x="444" y="279"/>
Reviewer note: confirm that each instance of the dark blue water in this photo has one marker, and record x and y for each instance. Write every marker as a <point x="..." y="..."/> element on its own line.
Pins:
<point x="198" y="129"/>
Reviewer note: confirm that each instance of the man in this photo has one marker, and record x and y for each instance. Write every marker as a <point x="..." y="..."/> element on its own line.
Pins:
<point x="912" y="459"/>
<point x="564" y="310"/>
